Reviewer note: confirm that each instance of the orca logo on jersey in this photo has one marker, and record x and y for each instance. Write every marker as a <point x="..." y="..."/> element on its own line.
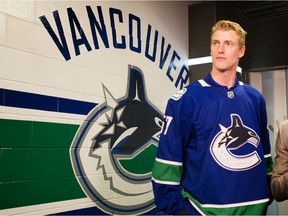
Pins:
<point x="229" y="148"/>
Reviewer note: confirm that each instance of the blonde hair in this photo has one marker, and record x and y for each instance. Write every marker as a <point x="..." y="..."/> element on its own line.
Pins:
<point x="226" y="25"/>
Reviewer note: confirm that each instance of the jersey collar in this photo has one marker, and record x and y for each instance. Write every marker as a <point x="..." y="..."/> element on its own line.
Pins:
<point x="210" y="81"/>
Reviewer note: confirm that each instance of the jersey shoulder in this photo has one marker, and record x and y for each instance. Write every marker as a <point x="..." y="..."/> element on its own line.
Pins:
<point x="251" y="92"/>
<point x="184" y="100"/>
<point x="189" y="91"/>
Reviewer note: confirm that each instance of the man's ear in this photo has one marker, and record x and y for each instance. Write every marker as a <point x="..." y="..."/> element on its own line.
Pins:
<point x="242" y="52"/>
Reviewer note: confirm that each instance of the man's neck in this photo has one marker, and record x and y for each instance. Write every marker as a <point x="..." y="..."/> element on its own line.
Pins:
<point x="226" y="78"/>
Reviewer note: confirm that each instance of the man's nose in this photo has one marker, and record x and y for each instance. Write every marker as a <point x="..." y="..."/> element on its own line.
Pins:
<point x="221" y="48"/>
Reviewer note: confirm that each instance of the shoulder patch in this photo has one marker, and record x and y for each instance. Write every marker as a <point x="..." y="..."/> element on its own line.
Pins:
<point x="179" y="94"/>
<point x="203" y="83"/>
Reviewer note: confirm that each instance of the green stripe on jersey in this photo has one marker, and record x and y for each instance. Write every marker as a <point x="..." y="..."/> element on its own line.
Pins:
<point x="269" y="164"/>
<point x="248" y="209"/>
<point x="167" y="172"/>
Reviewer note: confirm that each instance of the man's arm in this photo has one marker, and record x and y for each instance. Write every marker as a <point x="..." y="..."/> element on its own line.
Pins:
<point x="279" y="181"/>
<point x="168" y="166"/>
<point x="168" y="194"/>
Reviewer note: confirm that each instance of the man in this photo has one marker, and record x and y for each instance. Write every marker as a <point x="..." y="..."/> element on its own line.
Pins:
<point x="279" y="180"/>
<point x="214" y="148"/>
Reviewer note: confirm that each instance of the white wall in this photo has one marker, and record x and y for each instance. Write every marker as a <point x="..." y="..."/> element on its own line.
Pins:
<point x="41" y="66"/>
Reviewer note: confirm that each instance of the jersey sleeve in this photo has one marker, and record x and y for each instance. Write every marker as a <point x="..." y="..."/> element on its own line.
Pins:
<point x="168" y="166"/>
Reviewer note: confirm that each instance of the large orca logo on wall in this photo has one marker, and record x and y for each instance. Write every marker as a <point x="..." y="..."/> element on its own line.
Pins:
<point x="114" y="150"/>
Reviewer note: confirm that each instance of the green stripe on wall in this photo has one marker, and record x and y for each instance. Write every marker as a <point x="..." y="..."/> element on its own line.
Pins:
<point x="136" y="165"/>
<point x="35" y="165"/>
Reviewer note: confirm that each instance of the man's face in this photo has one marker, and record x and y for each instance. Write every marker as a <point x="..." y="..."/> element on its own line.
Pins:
<point x="225" y="50"/>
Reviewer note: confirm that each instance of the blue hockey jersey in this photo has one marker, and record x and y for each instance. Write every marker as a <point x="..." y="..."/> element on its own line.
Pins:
<point x="214" y="151"/>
